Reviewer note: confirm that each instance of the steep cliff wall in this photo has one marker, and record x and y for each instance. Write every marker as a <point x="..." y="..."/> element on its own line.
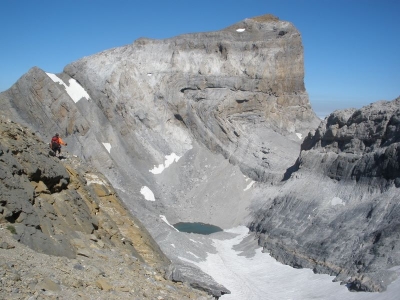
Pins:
<point x="338" y="212"/>
<point x="238" y="92"/>
<point x="228" y="88"/>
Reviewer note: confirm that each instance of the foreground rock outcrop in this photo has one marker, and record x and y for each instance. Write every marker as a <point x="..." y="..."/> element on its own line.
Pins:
<point x="92" y="245"/>
<point x="338" y="212"/>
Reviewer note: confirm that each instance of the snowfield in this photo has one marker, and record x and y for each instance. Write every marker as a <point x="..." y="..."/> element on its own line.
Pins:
<point x="260" y="277"/>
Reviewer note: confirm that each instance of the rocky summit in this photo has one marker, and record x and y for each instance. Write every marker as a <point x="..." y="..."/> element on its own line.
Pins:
<point x="211" y="127"/>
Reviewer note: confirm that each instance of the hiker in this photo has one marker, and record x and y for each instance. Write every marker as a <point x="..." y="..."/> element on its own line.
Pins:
<point x="56" y="143"/>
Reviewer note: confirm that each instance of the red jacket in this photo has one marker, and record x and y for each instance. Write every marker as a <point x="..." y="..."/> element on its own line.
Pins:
<point x="57" y="140"/>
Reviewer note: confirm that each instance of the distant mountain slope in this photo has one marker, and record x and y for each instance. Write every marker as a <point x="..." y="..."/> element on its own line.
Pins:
<point x="339" y="211"/>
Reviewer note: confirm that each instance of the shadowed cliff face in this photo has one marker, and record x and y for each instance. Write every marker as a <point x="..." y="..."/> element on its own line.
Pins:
<point x="341" y="200"/>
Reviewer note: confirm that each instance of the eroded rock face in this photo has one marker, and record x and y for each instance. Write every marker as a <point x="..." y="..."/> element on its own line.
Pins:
<point x="53" y="205"/>
<point x="224" y="86"/>
<point x="338" y="212"/>
<point x="66" y="208"/>
<point x="365" y="141"/>
<point x="226" y="103"/>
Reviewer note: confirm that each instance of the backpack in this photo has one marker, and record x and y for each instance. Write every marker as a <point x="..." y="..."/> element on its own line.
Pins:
<point x="54" y="142"/>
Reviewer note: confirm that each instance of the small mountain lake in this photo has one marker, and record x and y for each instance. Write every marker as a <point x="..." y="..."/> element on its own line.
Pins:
<point x="197" y="227"/>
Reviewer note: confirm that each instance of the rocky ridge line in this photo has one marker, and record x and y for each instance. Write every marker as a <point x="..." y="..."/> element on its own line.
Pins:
<point x="84" y="242"/>
<point x="341" y="198"/>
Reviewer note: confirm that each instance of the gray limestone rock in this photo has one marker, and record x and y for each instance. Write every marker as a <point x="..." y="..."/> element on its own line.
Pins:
<point x="230" y="105"/>
<point x="337" y="212"/>
<point x="51" y="205"/>
<point x="207" y="127"/>
<point x="225" y="103"/>
<point x="196" y="279"/>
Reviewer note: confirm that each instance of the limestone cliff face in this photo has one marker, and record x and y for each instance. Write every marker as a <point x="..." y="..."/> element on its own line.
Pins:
<point x="222" y="86"/>
<point x="238" y="92"/>
<point x="365" y="143"/>
<point x="338" y="211"/>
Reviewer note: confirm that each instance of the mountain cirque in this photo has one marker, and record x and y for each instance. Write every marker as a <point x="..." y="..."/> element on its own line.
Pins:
<point x="207" y="127"/>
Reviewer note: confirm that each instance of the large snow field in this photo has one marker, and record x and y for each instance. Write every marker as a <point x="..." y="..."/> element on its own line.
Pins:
<point x="262" y="277"/>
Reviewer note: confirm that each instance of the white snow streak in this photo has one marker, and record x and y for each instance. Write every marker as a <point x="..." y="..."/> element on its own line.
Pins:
<point x="299" y="135"/>
<point x="147" y="193"/>
<point x="195" y="241"/>
<point x="74" y="90"/>
<point x="249" y="186"/>
<point x="192" y="254"/>
<point x="169" y="159"/>
<point x="107" y="146"/>
<point x="240" y="29"/>
<point x="166" y="221"/>
<point x="337" y="201"/>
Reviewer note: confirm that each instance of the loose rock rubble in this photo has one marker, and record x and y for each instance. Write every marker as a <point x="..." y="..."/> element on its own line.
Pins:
<point x="105" y="274"/>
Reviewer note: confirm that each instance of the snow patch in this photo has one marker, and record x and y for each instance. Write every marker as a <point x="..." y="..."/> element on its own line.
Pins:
<point x="173" y="245"/>
<point x="299" y="135"/>
<point x="249" y="185"/>
<point x="166" y="221"/>
<point x="337" y="201"/>
<point x="240" y="29"/>
<point x="195" y="241"/>
<point x="107" y="146"/>
<point x="169" y="159"/>
<point x="149" y="74"/>
<point x="193" y="254"/>
<point x="262" y="277"/>
<point x="74" y="89"/>
<point x="147" y="193"/>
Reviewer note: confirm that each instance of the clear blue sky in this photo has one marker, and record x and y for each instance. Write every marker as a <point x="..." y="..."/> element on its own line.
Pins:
<point x="351" y="47"/>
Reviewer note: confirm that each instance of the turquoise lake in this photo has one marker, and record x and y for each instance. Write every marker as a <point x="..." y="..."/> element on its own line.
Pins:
<point x="199" y="228"/>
